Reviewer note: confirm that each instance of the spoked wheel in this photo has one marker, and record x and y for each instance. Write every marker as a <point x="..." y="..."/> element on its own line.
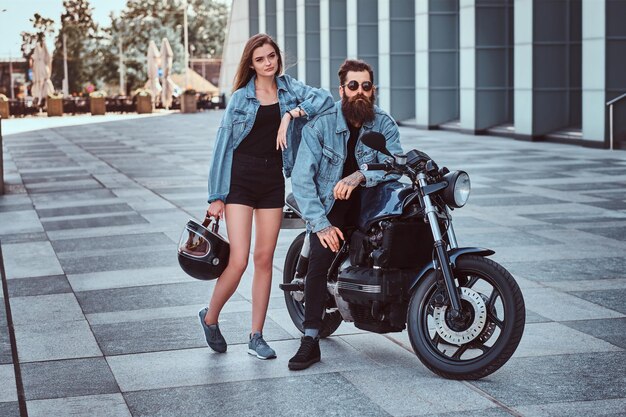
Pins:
<point x="295" y="299"/>
<point x="484" y="337"/>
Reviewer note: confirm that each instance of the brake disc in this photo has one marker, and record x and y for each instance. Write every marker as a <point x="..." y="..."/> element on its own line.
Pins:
<point x="479" y="307"/>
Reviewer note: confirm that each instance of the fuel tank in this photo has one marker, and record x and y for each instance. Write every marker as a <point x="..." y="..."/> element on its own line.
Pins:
<point x="382" y="201"/>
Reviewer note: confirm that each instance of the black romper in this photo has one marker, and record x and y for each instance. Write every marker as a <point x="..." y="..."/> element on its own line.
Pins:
<point x="257" y="173"/>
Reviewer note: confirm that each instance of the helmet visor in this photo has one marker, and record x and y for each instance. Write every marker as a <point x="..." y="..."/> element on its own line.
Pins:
<point x="193" y="244"/>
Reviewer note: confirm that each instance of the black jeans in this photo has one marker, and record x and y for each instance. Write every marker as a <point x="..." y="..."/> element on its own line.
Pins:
<point x="343" y="214"/>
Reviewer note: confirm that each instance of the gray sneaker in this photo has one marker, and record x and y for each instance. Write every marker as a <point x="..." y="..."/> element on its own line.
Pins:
<point x="257" y="346"/>
<point x="212" y="333"/>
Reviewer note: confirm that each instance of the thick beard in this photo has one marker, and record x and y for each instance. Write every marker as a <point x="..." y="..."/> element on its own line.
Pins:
<point x="358" y="111"/>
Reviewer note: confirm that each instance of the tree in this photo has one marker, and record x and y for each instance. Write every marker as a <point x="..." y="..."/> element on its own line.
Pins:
<point x="82" y="41"/>
<point x="145" y="20"/>
<point x="135" y="35"/>
<point x="43" y="26"/>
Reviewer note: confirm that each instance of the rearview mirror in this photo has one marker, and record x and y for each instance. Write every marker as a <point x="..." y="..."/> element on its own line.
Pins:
<point x="376" y="141"/>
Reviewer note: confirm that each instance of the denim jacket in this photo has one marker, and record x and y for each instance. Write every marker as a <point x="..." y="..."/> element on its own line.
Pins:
<point x="321" y="157"/>
<point x="239" y="118"/>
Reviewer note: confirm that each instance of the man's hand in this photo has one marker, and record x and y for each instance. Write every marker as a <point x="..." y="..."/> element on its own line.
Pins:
<point x="329" y="237"/>
<point x="344" y="188"/>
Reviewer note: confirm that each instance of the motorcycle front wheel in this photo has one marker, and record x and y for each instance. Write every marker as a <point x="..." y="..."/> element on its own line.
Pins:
<point x="331" y="320"/>
<point x="489" y="331"/>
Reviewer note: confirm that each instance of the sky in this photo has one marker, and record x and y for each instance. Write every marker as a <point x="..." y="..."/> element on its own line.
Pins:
<point x="14" y="15"/>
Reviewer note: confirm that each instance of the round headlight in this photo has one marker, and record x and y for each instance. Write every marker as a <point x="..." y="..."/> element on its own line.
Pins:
<point x="458" y="189"/>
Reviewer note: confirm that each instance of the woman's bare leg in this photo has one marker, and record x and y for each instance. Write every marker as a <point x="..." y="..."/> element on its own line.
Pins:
<point x="239" y="226"/>
<point x="266" y="226"/>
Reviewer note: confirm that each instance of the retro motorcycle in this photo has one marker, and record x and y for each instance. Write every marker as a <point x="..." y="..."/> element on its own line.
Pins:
<point x="402" y="268"/>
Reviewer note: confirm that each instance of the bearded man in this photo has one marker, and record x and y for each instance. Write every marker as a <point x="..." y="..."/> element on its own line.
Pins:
<point x="326" y="181"/>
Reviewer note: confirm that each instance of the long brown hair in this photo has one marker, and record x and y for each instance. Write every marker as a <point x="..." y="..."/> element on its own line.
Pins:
<point x="244" y="72"/>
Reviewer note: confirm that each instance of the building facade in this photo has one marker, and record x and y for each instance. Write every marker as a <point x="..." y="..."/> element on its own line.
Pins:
<point x="532" y="69"/>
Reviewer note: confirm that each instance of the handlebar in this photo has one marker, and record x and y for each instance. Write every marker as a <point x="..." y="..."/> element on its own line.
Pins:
<point x="376" y="167"/>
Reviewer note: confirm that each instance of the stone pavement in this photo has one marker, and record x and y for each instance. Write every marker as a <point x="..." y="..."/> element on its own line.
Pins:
<point x="106" y="324"/>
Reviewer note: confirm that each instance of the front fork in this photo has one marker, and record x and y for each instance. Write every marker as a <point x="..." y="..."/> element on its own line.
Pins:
<point x="442" y="252"/>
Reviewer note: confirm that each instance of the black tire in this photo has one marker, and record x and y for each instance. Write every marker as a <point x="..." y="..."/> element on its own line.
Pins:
<point x="432" y="349"/>
<point x="331" y="321"/>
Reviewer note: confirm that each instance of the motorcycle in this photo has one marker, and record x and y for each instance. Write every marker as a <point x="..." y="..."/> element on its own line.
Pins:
<point x="402" y="268"/>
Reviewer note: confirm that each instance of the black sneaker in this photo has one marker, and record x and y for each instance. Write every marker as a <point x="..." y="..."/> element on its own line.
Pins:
<point x="212" y="333"/>
<point x="307" y="355"/>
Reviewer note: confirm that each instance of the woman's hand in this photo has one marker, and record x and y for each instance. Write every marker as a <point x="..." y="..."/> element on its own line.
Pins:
<point x="281" y="138"/>
<point x="216" y="209"/>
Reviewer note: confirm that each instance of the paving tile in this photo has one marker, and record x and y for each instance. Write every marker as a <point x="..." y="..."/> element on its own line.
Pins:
<point x="551" y="379"/>
<point x="140" y="240"/>
<point x="544" y="339"/>
<point x="56" y="284"/>
<point x="613" y="299"/>
<point x="599" y="408"/>
<point x="571" y="269"/>
<point x="119" y="261"/>
<point x="23" y="238"/>
<point x="72" y="378"/>
<point x="176" y="333"/>
<point x="558" y="306"/>
<point x="528" y="200"/>
<point x="60" y="307"/>
<point x="106" y="405"/>
<point x="152" y="314"/>
<point x="316" y="395"/>
<point x="22" y="260"/>
<point x="13" y="222"/>
<point x="129" y="278"/>
<point x="10" y="409"/>
<point x="488" y="412"/>
<point x="617" y="233"/>
<point x="136" y="298"/>
<point x="103" y="221"/>
<point x="8" y="389"/>
<point x="50" y="340"/>
<point x="611" y="330"/>
<point x="413" y="393"/>
<point x="81" y="210"/>
<point x="203" y="366"/>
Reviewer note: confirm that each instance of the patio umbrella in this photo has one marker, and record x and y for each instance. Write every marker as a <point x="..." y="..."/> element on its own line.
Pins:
<point x="154" y="59"/>
<point x="167" y="59"/>
<point x="42" y="63"/>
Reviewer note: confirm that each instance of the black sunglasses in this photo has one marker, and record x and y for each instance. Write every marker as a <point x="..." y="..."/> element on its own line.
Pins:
<point x="354" y="85"/>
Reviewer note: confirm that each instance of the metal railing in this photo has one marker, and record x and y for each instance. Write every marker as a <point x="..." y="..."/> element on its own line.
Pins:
<point x="611" y="104"/>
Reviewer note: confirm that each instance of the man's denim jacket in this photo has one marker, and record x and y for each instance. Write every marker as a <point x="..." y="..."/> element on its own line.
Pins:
<point x="321" y="157"/>
<point x="239" y="118"/>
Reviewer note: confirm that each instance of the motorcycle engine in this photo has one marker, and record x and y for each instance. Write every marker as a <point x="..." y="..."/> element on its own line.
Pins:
<point x="382" y="263"/>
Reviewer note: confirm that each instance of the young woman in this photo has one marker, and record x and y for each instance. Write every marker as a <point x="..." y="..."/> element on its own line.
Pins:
<point x="256" y="141"/>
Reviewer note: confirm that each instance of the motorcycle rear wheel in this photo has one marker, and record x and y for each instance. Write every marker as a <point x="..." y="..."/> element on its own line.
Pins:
<point x="495" y="323"/>
<point x="331" y="320"/>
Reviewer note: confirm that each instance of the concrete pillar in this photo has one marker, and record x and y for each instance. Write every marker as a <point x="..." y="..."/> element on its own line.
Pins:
<point x="262" y="20"/>
<point x="367" y="34"/>
<point x="486" y="57"/>
<point x="324" y="43"/>
<point x="313" y="42"/>
<point x="436" y="62"/>
<point x="301" y="31"/>
<point x="352" y="22"/>
<point x="253" y="13"/>
<point x="547" y="66"/>
<point x="402" y="59"/>
<point x="594" y="70"/>
<point x="615" y="65"/>
<point x="270" y="18"/>
<point x="289" y="21"/>
<point x="338" y="43"/>
<point x="384" y="55"/>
